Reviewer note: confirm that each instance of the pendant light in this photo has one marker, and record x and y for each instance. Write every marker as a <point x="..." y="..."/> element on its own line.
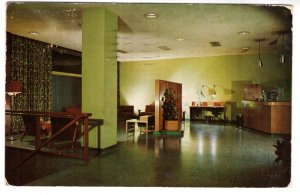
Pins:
<point x="259" y="63"/>
<point x="282" y="57"/>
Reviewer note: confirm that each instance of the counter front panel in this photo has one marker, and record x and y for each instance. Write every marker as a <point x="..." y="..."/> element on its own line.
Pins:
<point x="269" y="117"/>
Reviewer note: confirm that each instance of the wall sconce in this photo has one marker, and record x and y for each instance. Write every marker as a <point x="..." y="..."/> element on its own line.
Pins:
<point x="201" y="93"/>
<point x="211" y="90"/>
<point x="12" y="88"/>
<point x="214" y="94"/>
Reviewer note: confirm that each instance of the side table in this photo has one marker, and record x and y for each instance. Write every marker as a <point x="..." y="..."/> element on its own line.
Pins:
<point x="131" y="123"/>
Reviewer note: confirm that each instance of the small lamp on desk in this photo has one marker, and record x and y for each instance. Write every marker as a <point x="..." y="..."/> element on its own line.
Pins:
<point x="12" y="88"/>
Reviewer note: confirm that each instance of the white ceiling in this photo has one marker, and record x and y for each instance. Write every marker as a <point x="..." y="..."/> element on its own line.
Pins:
<point x="140" y="38"/>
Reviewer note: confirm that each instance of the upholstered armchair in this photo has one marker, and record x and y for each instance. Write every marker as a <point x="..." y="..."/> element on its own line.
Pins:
<point x="149" y="110"/>
<point x="125" y="112"/>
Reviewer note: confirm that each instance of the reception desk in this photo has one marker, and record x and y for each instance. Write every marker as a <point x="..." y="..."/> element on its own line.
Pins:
<point x="268" y="117"/>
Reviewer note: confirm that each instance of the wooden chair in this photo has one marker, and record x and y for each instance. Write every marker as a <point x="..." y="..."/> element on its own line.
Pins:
<point x="30" y="126"/>
<point x="149" y="110"/>
<point x="73" y="131"/>
<point x="70" y="134"/>
<point x="125" y="112"/>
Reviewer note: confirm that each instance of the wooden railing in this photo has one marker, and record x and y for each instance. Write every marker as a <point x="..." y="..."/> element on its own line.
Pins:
<point x="75" y="118"/>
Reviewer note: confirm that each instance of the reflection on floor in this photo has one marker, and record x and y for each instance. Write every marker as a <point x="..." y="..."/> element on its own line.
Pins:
<point x="55" y="147"/>
<point x="207" y="155"/>
<point x="27" y="143"/>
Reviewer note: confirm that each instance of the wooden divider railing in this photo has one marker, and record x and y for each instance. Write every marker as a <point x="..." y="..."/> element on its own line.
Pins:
<point x="74" y="118"/>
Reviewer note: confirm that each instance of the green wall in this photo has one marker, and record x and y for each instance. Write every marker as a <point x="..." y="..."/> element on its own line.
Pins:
<point x="66" y="92"/>
<point x="228" y="73"/>
<point x="99" y="73"/>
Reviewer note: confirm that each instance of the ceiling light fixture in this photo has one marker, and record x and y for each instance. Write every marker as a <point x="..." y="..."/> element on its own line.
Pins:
<point x="179" y="39"/>
<point x="259" y="63"/>
<point x="151" y="15"/>
<point x="243" y="32"/>
<point x="282" y="56"/>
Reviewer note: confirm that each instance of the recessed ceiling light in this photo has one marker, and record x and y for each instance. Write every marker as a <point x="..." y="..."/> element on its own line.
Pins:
<point x="33" y="32"/>
<point x="243" y="32"/>
<point x="151" y="15"/>
<point x="179" y="39"/>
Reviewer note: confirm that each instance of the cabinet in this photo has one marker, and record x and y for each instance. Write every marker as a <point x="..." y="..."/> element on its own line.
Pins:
<point x="217" y="111"/>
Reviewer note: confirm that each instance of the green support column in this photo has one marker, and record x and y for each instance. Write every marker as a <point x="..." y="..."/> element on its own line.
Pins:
<point x="99" y="73"/>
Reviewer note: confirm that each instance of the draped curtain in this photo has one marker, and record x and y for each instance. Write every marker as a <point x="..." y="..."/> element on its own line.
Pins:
<point x="31" y="63"/>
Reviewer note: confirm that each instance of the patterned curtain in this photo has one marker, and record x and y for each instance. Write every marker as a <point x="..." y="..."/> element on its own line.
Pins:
<point x="31" y="63"/>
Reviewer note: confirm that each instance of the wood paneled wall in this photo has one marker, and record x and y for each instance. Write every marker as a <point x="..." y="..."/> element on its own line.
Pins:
<point x="160" y="87"/>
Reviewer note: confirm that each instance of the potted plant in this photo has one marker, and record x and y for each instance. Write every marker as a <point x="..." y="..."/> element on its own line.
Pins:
<point x="170" y="114"/>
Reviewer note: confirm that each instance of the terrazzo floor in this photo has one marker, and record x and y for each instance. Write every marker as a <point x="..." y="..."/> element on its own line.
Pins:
<point x="206" y="155"/>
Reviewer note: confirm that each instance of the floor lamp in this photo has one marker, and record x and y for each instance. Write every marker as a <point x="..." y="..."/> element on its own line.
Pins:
<point x="12" y="89"/>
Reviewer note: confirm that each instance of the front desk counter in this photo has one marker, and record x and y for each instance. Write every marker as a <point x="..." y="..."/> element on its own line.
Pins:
<point x="269" y="117"/>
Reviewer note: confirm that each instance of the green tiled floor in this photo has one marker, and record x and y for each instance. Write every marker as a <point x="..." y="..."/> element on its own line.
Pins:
<point x="207" y="155"/>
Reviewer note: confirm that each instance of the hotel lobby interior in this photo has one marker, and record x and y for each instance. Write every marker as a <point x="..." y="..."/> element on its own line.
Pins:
<point x="148" y="95"/>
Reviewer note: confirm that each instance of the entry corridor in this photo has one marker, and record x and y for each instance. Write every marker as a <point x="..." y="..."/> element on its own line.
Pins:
<point x="207" y="155"/>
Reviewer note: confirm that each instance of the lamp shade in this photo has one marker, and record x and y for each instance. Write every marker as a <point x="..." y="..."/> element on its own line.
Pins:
<point x="282" y="58"/>
<point x="260" y="63"/>
<point x="13" y="87"/>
